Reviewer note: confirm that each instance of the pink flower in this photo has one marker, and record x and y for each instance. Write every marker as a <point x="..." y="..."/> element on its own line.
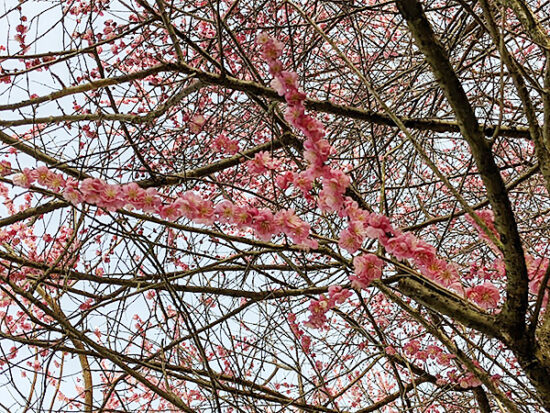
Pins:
<point x="368" y="267"/>
<point x="423" y="253"/>
<point x="488" y="218"/>
<point x="317" y="153"/>
<point x="338" y="295"/>
<point x="354" y="213"/>
<point x="304" y="180"/>
<point x="55" y="182"/>
<point x="197" y="123"/>
<point x="432" y="268"/>
<point x="378" y="226"/>
<point x="330" y="200"/>
<point x="336" y="181"/>
<point x="264" y="224"/>
<point x="283" y="180"/>
<point x="412" y="347"/>
<point x="293" y="114"/>
<point x="272" y="50"/>
<point x="223" y="144"/>
<point x="224" y="211"/>
<point x="5" y="168"/>
<point x="24" y="179"/>
<point x="289" y="80"/>
<point x="188" y="204"/>
<point x="445" y="359"/>
<point x="318" y="309"/>
<point x="170" y="212"/>
<point x="352" y="237"/>
<point x="42" y="174"/>
<point x="294" y="96"/>
<point x="447" y="275"/>
<point x="133" y="195"/>
<point x="204" y="213"/>
<point x="261" y="163"/>
<point x="306" y="343"/>
<point x="91" y="189"/>
<point x="311" y="127"/>
<point x="151" y="200"/>
<point x="111" y="198"/>
<point x="308" y="244"/>
<point x="402" y="246"/>
<point x="442" y="272"/>
<point x="263" y="38"/>
<point x="292" y="225"/>
<point x="71" y="193"/>
<point x="485" y="295"/>
<point x="433" y="351"/>
<point x="243" y="215"/>
<point x="278" y="86"/>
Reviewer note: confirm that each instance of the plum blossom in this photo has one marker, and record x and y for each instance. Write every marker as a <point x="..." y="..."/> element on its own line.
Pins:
<point x="292" y="225"/>
<point x="224" y="211"/>
<point x="264" y="224"/>
<point x="261" y="163"/>
<point x="5" y="168"/>
<point x="402" y="246"/>
<point x="319" y="308"/>
<point x="196" y="124"/>
<point x="71" y="192"/>
<point x="25" y="178"/>
<point x="368" y="267"/>
<point x="224" y="144"/>
<point x="352" y="237"/>
<point x="378" y="226"/>
<point x="134" y="194"/>
<point x="284" y="180"/>
<point x="485" y="295"/>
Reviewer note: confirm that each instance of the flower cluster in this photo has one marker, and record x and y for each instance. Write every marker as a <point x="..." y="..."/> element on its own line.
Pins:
<point x="261" y="163"/>
<point x="189" y="204"/>
<point x="335" y="184"/>
<point x="222" y="143"/>
<point x="319" y="308"/>
<point x="316" y="148"/>
<point x="368" y="267"/>
<point x="332" y="198"/>
<point x="485" y="295"/>
<point x="305" y="340"/>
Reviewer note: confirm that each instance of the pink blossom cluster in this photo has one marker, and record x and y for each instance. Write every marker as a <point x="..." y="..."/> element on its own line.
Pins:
<point x="224" y="144"/>
<point x="485" y="295"/>
<point x="189" y="204"/>
<point x="262" y="163"/>
<point x="335" y="182"/>
<point x="463" y="379"/>
<point x="21" y="29"/>
<point x="41" y="175"/>
<point x="362" y="224"/>
<point x="305" y="340"/>
<point x="414" y="349"/>
<point x="368" y="267"/>
<point x="319" y="308"/>
<point x="316" y="148"/>
<point x="5" y="168"/>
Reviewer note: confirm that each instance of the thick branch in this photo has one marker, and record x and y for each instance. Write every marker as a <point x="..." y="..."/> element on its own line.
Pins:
<point x="513" y="314"/>
<point x="449" y="304"/>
